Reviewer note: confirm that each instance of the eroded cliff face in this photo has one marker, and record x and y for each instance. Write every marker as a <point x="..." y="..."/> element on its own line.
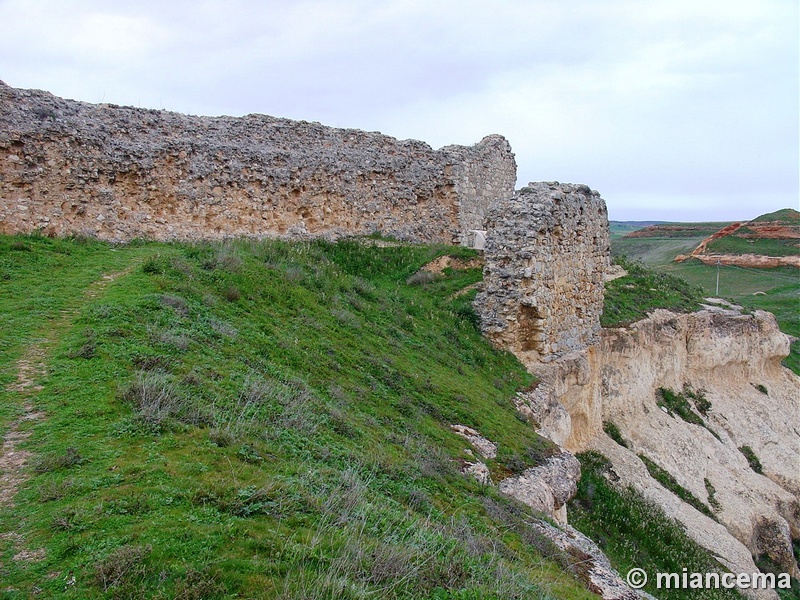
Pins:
<point x="118" y="173"/>
<point x="735" y="360"/>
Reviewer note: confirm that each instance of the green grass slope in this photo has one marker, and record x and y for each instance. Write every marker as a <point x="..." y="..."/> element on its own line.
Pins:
<point x="272" y="420"/>
<point x="258" y="420"/>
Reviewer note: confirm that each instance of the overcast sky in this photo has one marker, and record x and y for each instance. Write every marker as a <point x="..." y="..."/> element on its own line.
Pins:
<point x="671" y="109"/>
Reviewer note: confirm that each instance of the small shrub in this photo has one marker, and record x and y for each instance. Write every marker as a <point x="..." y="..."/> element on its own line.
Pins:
<point x="199" y="585"/>
<point x="151" y="363"/>
<point x="224" y="329"/>
<point x="87" y="350"/>
<point x="752" y="459"/>
<point x="231" y="293"/>
<point x="540" y="450"/>
<point x="225" y="258"/>
<point x="125" y="565"/>
<point x="52" y="462"/>
<point x="134" y="504"/>
<point x="514" y="463"/>
<point x="68" y="520"/>
<point x="20" y="246"/>
<point x="221" y="437"/>
<point x="179" y="341"/>
<point x="54" y="490"/>
<point x="154" y="265"/>
<point x="179" y="304"/>
<point x="242" y="502"/>
<point x="761" y="388"/>
<point x="153" y="397"/>
<point x="421" y="278"/>
<point x="614" y="433"/>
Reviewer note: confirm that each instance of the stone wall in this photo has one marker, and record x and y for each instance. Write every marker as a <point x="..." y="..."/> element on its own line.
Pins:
<point x="119" y="173"/>
<point x="546" y="251"/>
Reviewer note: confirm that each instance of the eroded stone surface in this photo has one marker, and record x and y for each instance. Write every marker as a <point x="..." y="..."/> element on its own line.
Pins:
<point x="546" y="253"/>
<point x="485" y="447"/>
<point x="547" y="487"/>
<point x="118" y="173"/>
<point x="731" y="357"/>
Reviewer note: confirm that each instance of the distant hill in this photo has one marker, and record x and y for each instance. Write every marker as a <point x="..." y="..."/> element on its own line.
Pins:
<point x="770" y="240"/>
<point x="620" y="228"/>
<point x="677" y="230"/>
<point x="787" y="215"/>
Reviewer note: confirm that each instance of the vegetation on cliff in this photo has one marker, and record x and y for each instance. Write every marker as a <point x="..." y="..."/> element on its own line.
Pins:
<point x="257" y="419"/>
<point x="634" y="532"/>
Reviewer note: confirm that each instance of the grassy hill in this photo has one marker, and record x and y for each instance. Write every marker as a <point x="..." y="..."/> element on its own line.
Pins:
<point x="785" y="215"/>
<point x="269" y="420"/>
<point x="619" y="229"/>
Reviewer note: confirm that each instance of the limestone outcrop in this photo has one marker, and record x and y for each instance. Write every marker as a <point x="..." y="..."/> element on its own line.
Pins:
<point x="119" y="173"/>
<point x="546" y="251"/>
<point x="547" y="487"/>
<point x="734" y="360"/>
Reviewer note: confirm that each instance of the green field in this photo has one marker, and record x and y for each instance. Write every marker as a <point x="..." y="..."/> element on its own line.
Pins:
<point x="617" y="229"/>
<point x="734" y="244"/>
<point x="262" y="420"/>
<point x="655" y="252"/>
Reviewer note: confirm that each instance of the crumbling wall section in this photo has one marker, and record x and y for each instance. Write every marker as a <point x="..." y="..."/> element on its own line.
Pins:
<point x="118" y="173"/>
<point x="546" y="251"/>
<point x="476" y="185"/>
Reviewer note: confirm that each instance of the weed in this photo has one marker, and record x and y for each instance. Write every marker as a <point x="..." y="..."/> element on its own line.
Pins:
<point x="249" y="454"/>
<point x="676" y="403"/>
<point x="712" y="495"/>
<point x="87" y="350"/>
<point x="179" y="304"/>
<point x="153" y="397"/>
<point x="155" y="265"/>
<point x="68" y="519"/>
<point x="231" y="293"/>
<point x="125" y="566"/>
<point x="53" y="462"/>
<point x="202" y="584"/>
<point x="223" y="257"/>
<point x="701" y="403"/>
<point x="614" y="433"/>
<point x="752" y="459"/>
<point x="421" y="277"/>
<point x="669" y="482"/>
<point x="52" y="490"/>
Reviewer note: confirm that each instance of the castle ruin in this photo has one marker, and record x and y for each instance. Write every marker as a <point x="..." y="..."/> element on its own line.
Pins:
<point x="120" y="173"/>
<point x="117" y="173"/>
<point x="546" y="252"/>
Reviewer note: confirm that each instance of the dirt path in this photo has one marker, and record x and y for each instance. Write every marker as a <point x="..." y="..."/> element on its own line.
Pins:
<point x="31" y="369"/>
